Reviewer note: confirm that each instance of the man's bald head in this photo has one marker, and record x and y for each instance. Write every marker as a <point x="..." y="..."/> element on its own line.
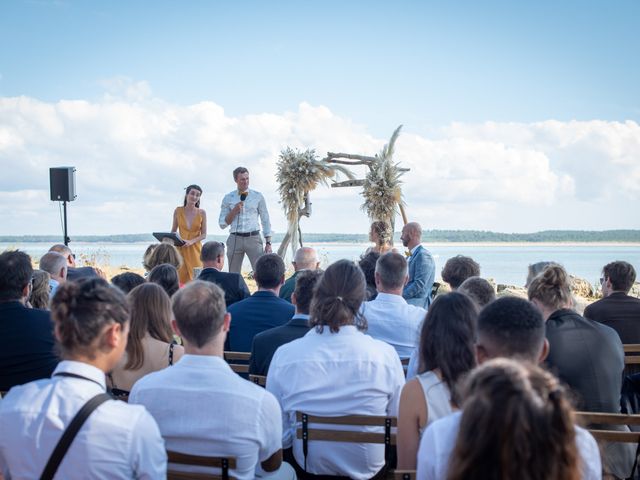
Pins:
<point x="411" y="235"/>
<point x="415" y="228"/>
<point x="305" y="259"/>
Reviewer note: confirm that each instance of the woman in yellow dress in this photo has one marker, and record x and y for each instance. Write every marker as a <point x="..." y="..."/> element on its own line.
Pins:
<point x="190" y="221"/>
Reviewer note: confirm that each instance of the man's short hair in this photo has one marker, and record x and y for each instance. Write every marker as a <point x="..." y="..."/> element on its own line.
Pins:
<point x="211" y="251"/>
<point x="392" y="269"/>
<point x="53" y="262"/>
<point x="15" y="274"/>
<point x="199" y="311"/>
<point x="239" y="171"/>
<point x="458" y="269"/>
<point x="305" y="283"/>
<point x="60" y="248"/>
<point x="513" y="327"/>
<point x="480" y="290"/>
<point x="269" y="270"/>
<point x="621" y="274"/>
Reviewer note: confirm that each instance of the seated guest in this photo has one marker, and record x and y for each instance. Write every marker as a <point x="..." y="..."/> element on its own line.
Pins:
<point x="617" y="309"/>
<point x="536" y="269"/>
<point x="166" y="276"/>
<point x="304" y="259"/>
<point x="479" y="290"/>
<point x="516" y="423"/>
<point x="334" y="370"/>
<point x="164" y="253"/>
<point x="127" y="281"/>
<point x="389" y="317"/>
<point x="458" y="269"/>
<point x="150" y="347"/>
<point x="147" y="256"/>
<point x="586" y="355"/>
<point x="74" y="272"/>
<point x="39" y="297"/>
<point x="56" y="266"/>
<point x="117" y="440"/>
<point x="233" y="285"/>
<point x="201" y="405"/>
<point x="446" y="354"/>
<point x="510" y="327"/>
<point x="367" y="264"/>
<point x="262" y="310"/>
<point x="266" y="343"/>
<point x="27" y="333"/>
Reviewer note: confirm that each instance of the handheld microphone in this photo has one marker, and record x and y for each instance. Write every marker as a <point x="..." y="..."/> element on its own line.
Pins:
<point x="243" y="196"/>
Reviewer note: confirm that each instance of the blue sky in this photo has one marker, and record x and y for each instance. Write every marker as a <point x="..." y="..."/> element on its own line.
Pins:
<point x="460" y="73"/>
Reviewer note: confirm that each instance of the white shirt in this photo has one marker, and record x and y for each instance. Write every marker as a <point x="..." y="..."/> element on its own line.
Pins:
<point x="332" y="374"/>
<point x="247" y="220"/>
<point x="391" y="319"/>
<point x="204" y="408"/>
<point x="117" y="441"/>
<point x="439" y="440"/>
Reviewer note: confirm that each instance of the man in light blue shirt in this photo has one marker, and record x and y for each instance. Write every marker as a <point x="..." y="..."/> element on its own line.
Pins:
<point x="240" y="210"/>
<point x="422" y="268"/>
<point x="389" y="317"/>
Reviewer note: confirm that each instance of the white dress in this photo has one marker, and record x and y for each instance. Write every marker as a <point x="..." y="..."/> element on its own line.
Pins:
<point x="437" y="395"/>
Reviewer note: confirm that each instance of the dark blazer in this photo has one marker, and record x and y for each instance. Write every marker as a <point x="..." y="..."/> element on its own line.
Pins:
<point x="620" y="312"/>
<point x="422" y="273"/>
<point x="74" y="274"/>
<point x="289" y="286"/>
<point x="588" y="357"/>
<point x="266" y="343"/>
<point x="234" y="286"/>
<point x="261" y="311"/>
<point x="27" y="351"/>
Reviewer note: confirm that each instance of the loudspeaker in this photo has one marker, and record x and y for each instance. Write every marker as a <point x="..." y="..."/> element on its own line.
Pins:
<point x="62" y="183"/>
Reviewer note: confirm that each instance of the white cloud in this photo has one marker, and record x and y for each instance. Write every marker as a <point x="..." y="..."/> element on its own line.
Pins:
<point x="134" y="153"/>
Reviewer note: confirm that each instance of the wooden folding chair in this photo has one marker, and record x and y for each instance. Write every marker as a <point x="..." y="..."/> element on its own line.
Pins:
<point x="597" y="423"/>
<point x="223" y="463"/>
<point x="258" y="380"/>
<point x="306" y="432"/>
<point x="238" y="356"/>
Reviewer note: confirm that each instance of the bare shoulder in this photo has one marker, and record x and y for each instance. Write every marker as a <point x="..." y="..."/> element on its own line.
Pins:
<point x="203" y="212"/>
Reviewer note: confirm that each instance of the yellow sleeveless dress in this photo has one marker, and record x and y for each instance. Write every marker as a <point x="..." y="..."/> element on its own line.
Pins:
<point x="191" y="254"/>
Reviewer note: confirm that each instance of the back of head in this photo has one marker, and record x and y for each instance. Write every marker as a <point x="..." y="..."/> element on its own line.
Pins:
<point x="458" y="269"/>
<point x="40" y="292"/>
<point x="535" y="269"/>
<point x="479" y="290"/>
<point x="127" y="281"/>
<point x="367" y="264"/>
<point x="165" y="253"/>
<point x="382" y="231"/>
<point x="211" y="251"/>
<point x="526" y="425"/>
<point x="81" y="310"/>
<point x="305" y="284"/>
<point x="166" y="276"/>
<point x="146" y="258"/>
<point x="415" y="229"/>
<point x="199" y="310"/>
<point x="150" y="315"/>
<point x="53" y="263"/>
<point x="551" y="288"/>
<point x="511" y="327"/>
<point x="61" y="248"/>
<point x="447" y="338"/>
<point x="621" y="274"/>
<point x="15" y="274"/>
<point x="392" y="270"/>
<point x="338" y="296"/>
<point x="305" y="259"/>
<point x="269" y="271"/>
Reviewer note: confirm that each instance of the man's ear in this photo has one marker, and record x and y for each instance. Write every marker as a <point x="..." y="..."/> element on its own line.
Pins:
<point x="112" y="335"/>
<point x="174" y="327"/>
<point x="406" y="280"/>
<point x="282" y="280"/>
<point x="226" y="323"/>
<point x="294" y="300"/>
<point x="481" y="354"/>
<point x="544" y="352"/>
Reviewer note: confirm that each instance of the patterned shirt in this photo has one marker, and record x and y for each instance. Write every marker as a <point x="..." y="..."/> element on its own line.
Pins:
<point x="247" y="220"/>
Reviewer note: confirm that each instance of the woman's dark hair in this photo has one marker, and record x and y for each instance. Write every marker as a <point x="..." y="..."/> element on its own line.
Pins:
<point x="367" y="264"/>
<point x="40" y="291"/>
<point x="150" y="314"/>
<point x="337" y="297"/>
<point x="127" y="281"/>
<point x="447" y="339"/>
<point x="80" y="311"/>
<point x="551" y="288"/>
<point x="166" y="276"/>
<point x="187" y="190"/>
<point x="516" y="424"/>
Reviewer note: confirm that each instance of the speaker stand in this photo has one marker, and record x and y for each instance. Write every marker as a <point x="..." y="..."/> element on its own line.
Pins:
<point x="66" y="237"/>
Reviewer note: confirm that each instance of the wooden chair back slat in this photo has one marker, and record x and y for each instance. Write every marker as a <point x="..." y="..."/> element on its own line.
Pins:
<point x="631" y="348"/>
<point x="608" y="418"/>
<point x="245" y="356"/>
<point x="615" y="436"/>
<point x="200" y="461"/>
<point x="345" y="436"/>
<point x="174" y="475"/>
<point x="631" y="360"/>
<point x="239" y="368"/>
<point x="404" y="474"/>
<point x="259" y="380"/>
<point x="360" y="420"/>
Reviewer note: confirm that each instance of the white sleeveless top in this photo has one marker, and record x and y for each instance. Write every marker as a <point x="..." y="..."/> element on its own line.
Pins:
<point x="437" y="395"/>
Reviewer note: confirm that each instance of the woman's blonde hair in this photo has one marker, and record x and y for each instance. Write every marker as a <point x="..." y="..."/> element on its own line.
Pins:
<point x="40" y="291"/>
<point x="552" y="287"/>
<point x="164" y="253"/>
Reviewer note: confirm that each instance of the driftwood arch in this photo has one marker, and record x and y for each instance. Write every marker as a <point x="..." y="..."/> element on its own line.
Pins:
<point x="300" y="172"/>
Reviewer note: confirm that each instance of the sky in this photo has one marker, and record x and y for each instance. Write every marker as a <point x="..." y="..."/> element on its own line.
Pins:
<point x="517" y="116"/>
